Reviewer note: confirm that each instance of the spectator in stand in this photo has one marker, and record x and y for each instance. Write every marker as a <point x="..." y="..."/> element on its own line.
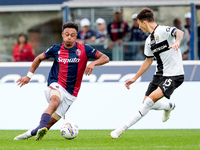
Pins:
<point x="101" y="30"/>
<point x="101" y="36"/>
<point x="199" y="41"/>
<point x="184" y="45"/>
<point x="137" y="35"/>
<point x="117" y="29"/>
<point x="86" y="35"/>
<point x="22" y="51"/>
<point x="188" y="20"/>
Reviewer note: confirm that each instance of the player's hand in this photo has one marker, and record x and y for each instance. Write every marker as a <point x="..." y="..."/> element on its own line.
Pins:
<point x="23" y="80"/>
<point x="129" y="82"/>
<point x="110" y="45"/>
<point x="175" y="46"/>
<point x="89" y="69"/>
<point x="119" y="42"/>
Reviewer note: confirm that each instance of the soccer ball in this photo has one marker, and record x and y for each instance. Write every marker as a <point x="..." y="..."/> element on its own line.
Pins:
<point x="69" y="130"/>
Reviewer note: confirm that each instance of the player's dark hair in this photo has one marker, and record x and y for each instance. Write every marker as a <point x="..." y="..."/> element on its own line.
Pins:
<point x="24" y="35"/>
<point x="146" y="14"/>
<point x="70" y="25"/>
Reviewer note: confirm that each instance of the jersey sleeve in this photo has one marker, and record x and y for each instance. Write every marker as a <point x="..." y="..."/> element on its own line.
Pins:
<point x="50" y="52"/>
<point x="147" y="49"/>
<point x="170" y="31"/>
<point x="91" y="52"/>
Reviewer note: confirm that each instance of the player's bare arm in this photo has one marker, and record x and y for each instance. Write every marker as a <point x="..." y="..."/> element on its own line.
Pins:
<point x="179" y="36"/>
<point x="24" y="80"/>
<point x="101" y="59"/>
<point x="92" y="39"/>
<point x="144" y="67"/>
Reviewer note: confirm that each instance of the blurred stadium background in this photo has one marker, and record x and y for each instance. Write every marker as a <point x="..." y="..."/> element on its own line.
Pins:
<point x="109" y="104"/>
<point x="42" y="20"/>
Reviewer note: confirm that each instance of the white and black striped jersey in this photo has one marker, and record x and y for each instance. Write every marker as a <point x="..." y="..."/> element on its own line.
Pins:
<point x="169" y="61"/>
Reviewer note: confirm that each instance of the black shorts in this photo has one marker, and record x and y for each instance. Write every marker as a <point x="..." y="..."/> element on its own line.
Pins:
<point x="167" y="84"/>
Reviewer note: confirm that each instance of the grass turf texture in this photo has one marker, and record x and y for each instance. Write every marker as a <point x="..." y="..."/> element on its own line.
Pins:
<point x="100" y="140"/>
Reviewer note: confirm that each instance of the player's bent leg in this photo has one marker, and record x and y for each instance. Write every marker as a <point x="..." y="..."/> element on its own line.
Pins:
<point x="54" y="118"/>
<point x="160" y="105"/>
<point x="159" y="93"/>
<point x="166" y="113"/>
<point x="40" y="133"/>
<point x="41" y="130"/>
<point x="142" y="111"/>
<point x="24" y="136"/>
<point x="156" y="95"/>
<point x="53" y="105"/>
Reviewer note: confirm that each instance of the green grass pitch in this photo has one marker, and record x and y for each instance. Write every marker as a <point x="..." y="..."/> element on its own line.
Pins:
<point x="100" y="140"/>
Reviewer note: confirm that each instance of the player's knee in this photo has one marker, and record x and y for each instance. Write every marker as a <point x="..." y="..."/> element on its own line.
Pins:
<point x="53" y="104"/>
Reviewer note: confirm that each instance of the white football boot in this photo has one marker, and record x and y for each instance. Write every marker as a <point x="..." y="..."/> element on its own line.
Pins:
<point x="117" y="132"/>
<point x="24" y="136"/>
<point x="166" y="113"/>
<point x="40" y="133"/>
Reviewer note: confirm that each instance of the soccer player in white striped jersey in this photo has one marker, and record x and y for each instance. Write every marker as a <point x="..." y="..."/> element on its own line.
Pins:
<point x="163" y="43"/>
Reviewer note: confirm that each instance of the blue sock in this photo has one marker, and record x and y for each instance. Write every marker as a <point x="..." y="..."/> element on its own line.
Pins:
<point x="45" y="119"/>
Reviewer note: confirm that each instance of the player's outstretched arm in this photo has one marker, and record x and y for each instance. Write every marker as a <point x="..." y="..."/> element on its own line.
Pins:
<point x="36" y="62"/>
<point x="101" y="60"/>
<point x="179" y="36"/>
<point x="144" y="67"/>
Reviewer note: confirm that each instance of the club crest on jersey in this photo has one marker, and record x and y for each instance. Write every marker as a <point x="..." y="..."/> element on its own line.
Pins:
<point x="78" y="52"/>
<point x="157" y="38"/>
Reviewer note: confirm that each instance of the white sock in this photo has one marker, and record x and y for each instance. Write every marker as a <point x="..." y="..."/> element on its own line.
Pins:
<point x="142" y="111"/>
<point x="159" y="105"/>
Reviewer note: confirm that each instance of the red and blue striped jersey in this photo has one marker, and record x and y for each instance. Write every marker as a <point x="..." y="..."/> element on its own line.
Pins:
<point x="69" y="65"/>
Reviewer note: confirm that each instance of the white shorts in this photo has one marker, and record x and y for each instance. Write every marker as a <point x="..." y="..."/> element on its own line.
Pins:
<point x="66" y="98"/>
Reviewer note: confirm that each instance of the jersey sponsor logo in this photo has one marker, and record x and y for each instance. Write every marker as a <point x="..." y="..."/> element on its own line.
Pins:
<point x="70" y="60"/>
<point x="160" y="47"/>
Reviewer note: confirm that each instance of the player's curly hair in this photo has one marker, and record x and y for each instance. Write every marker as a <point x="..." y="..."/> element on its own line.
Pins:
<point x="146" y="14"/>
<point x="70" y="25"/>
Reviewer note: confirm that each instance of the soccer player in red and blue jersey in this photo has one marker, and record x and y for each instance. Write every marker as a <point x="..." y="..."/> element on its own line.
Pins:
<point x="64" y="81"/>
